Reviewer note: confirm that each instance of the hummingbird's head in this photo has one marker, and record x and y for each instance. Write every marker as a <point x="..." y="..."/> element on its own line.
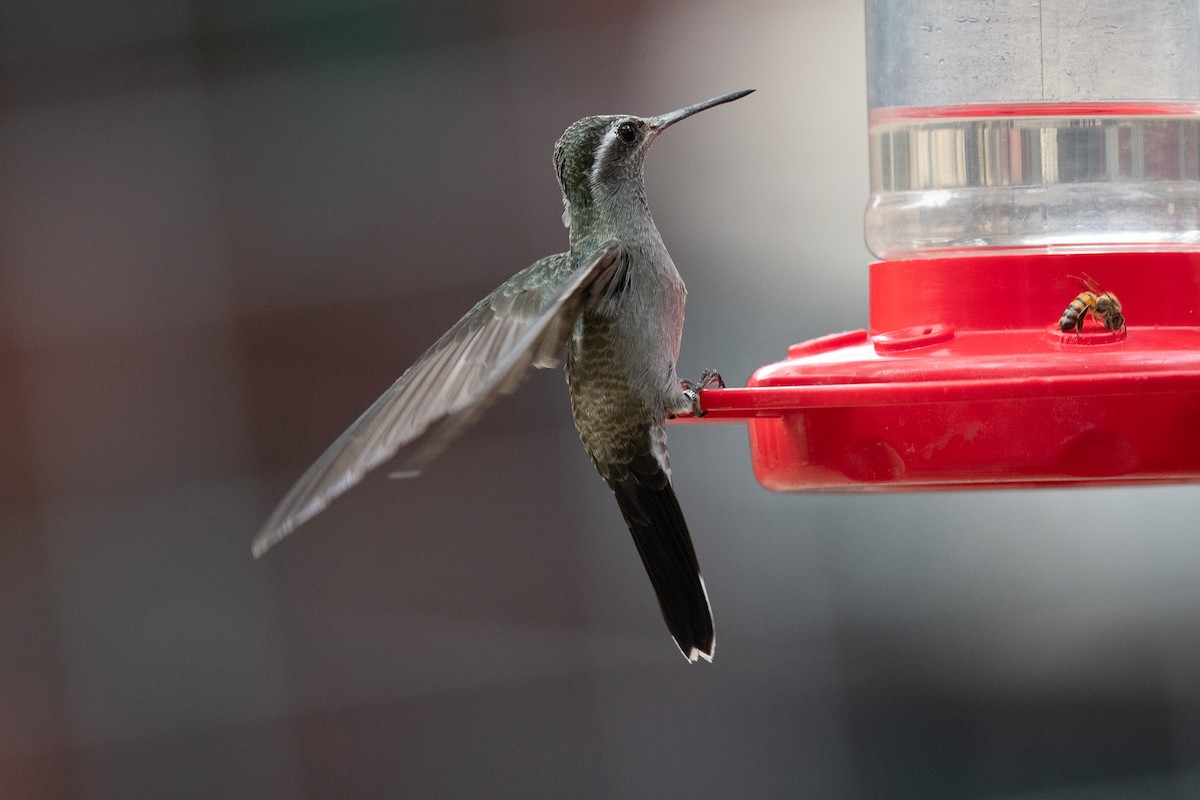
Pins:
<point x="598" y="157"/>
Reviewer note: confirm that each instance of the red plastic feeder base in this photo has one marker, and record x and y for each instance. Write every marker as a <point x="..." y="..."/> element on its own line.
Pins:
<point x="965" y="381"/>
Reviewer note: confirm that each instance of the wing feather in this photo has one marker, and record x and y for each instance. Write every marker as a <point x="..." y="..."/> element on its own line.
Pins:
<point x="487" y="353"/>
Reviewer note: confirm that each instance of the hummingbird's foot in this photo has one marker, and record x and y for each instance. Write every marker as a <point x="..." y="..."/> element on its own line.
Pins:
<point x="691" y="391"/>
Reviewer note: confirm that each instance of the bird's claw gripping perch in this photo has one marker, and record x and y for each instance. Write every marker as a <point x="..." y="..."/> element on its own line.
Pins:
<point x="691" y="390"/>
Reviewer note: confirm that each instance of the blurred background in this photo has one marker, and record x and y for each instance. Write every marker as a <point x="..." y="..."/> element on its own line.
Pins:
<point x="226" y="227"/>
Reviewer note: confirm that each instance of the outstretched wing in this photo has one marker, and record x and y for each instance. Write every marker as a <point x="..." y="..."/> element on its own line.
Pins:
<point x="488" y="352"/>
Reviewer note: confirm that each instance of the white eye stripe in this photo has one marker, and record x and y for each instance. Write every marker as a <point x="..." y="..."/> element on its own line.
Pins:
<point x="602" y="153"/>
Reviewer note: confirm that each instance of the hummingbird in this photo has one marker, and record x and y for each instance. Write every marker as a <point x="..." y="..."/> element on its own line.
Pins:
<point x="614" y="301"/>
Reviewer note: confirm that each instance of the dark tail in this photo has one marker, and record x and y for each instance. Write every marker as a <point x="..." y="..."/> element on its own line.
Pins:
<point x="662" y="539"/>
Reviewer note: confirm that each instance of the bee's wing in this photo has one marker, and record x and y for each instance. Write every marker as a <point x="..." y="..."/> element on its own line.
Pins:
<point x="488" y="352"/>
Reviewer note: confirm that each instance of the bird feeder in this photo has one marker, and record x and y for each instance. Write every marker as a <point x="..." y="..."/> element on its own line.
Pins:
<point x="1025" y="160"/>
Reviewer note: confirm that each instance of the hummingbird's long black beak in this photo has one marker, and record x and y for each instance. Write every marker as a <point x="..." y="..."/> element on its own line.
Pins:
<point x="663" y="121"/>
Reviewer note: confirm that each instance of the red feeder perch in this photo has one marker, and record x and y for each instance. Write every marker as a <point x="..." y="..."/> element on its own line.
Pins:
<point x="960" y="386"/>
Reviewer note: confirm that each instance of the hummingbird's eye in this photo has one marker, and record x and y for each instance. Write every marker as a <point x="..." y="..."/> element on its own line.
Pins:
<point x="627" y="132"/>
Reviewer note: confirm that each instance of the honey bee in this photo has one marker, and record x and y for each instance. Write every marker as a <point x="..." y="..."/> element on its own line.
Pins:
<point x="1104" y="307"/>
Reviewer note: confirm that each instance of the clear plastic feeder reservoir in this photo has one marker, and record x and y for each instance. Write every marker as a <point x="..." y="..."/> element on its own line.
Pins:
<point x="1015" y="124"/>
<point x="1035" y="315"/>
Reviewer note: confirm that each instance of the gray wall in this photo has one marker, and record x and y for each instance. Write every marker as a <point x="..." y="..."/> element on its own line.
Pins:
<point x="225" y="227"/>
